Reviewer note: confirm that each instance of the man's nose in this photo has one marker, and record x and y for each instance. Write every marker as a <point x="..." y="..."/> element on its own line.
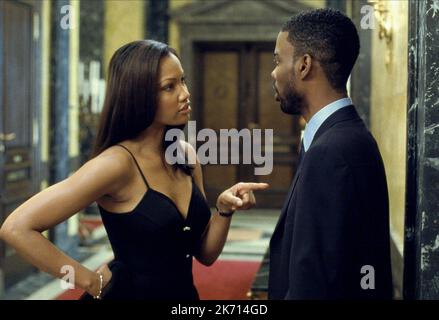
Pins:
<point x="273" y="76"/>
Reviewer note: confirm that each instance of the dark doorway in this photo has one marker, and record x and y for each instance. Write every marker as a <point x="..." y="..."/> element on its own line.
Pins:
<point x="233" y="89"/>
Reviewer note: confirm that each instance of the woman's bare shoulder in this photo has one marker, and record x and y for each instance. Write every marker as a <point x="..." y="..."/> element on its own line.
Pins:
<point x="115" y="154"/>
<point x="114" y="162"/>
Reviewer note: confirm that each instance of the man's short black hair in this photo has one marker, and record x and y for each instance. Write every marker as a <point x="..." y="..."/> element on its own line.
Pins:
<point x="328" y="36"/>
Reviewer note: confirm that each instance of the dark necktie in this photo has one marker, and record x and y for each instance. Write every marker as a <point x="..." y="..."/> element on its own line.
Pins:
<point x="301" y="154"/>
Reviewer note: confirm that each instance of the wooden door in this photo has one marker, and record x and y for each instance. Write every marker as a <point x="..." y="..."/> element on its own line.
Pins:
<point x="17" y="87"/>
<point x="233" y="89"/>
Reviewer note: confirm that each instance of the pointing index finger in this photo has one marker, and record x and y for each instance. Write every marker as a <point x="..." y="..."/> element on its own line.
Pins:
<point x="250" y="186"/>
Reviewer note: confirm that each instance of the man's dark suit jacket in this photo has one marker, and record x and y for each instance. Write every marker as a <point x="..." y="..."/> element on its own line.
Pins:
<point x="335" y="219"/>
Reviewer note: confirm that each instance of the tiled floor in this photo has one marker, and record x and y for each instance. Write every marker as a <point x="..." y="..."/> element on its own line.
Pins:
<point x="250" y="234"/>
<point x="248" y="239"/>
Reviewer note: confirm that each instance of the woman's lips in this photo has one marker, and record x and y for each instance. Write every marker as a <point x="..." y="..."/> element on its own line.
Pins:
<point x="276" y="93"/>
<point x="185" y="109"/>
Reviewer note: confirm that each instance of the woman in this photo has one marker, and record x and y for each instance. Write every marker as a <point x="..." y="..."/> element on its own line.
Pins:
<point x="155" y="214"/>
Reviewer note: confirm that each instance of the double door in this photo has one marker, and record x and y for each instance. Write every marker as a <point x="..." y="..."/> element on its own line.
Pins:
<point x="234" y="90"/>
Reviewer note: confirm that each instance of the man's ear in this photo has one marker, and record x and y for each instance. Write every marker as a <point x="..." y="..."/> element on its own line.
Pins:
<point x="305" y="65"/>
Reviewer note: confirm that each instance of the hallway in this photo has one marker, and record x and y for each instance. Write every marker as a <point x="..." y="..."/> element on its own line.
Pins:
<point x="54" y="76"/>
<point x="247" y="241"/>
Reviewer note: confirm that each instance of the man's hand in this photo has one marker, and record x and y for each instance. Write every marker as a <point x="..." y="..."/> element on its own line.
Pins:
<point x="240" y="196"/>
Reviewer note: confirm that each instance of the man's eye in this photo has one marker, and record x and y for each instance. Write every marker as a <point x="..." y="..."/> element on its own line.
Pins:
<point x="183" y="80"/>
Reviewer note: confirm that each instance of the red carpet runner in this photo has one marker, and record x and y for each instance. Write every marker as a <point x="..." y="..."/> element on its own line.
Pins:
<point x="224" y="280"/>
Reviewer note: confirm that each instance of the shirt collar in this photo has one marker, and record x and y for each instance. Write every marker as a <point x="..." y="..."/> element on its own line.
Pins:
<point x="320" y="117"/>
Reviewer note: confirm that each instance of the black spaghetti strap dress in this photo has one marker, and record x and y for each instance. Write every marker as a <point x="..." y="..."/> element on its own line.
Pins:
<point x="153" y="247"/>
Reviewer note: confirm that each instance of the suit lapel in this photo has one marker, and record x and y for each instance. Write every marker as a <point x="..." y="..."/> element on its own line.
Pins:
<point x="288" y="199"/>
<point x="346" y="113"/>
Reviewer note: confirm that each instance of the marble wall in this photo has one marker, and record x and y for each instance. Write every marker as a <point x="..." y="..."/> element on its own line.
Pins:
<point x="91" y="31"/>
<point x="421" y="256"/>
<point x="157" y="20"/>
<point x="59" y="113"/>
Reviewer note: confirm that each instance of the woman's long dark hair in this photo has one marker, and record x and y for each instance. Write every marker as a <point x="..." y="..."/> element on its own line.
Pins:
<point x="131" y="94"/>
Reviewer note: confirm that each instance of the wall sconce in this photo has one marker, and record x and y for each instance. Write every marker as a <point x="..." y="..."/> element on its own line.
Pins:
<point x="384" y="19"/>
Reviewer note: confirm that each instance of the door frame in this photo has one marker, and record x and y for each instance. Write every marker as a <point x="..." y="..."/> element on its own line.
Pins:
<point x="227" y="21"/>
<point x="248" y="110"/>
<point x="35" y="114"/>
<point x="211" y="22"/>
<point x="2" y="150"/>
<point x="35" y="95"/>
<point x="244" y="117"/>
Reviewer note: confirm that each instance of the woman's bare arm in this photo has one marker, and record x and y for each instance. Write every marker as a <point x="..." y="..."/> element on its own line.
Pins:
<point x="215" y="235"/>
<point x="22" y="229"/>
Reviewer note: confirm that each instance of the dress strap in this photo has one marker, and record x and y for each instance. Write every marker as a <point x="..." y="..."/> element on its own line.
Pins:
<point x="137" y="164"/>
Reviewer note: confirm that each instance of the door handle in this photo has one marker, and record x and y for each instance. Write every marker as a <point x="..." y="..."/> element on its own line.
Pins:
<point x="7" y="137"/>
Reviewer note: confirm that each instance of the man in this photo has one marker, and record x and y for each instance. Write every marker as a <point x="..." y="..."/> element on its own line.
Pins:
<point x="332" y="239"/>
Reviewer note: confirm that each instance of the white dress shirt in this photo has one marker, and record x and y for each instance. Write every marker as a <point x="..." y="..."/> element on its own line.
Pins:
<point x="320" y="117"/>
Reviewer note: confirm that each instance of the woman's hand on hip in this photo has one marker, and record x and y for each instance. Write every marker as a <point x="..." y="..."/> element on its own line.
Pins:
<point x="106" y="274"/>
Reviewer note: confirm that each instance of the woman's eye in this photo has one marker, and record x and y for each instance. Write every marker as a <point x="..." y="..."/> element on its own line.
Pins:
<point x="168" y="87"/>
